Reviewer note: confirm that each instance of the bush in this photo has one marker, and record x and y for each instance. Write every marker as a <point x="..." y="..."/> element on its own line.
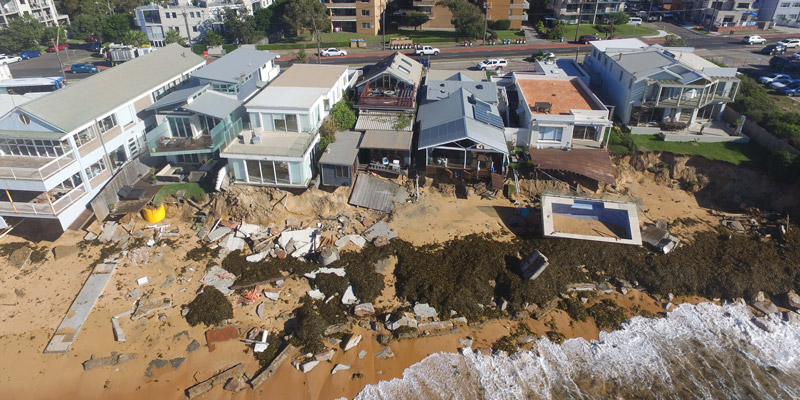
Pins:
<point x="500" y="25"/>
<point x="210" y="308"/>
<point x="783" y="165"/>
<point x="343" y="115"/>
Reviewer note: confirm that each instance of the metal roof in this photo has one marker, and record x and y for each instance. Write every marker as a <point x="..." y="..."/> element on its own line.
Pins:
<point x="382" y="120"/>
<point x="213" y="103"/>
<point x="284" y="97"/>
<point x="236" y="64"/>
<point x="618" y="44"/>
<point x="32" y="134"/>
<point x="387" y="140"/>
<point x="93" y="97"/>
<point x="179" y="96"/>
<point x="343" y="151"/>
<point x="449" y="75"/>
<point x="485" y="91"/>
<point x="398" y="65"/>
<point x="642" y="63"/>
<point x="375" y="193"/>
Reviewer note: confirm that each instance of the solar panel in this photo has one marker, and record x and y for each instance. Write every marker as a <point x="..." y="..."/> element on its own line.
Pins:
<point x="483" y="112"/>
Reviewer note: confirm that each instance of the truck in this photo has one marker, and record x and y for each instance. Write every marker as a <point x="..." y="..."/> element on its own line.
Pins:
<point x="426" y="51"/>
<point x="119" y="53"/>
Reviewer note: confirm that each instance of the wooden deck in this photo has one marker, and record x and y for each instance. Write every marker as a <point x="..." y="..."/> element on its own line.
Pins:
<point x="594" y="164"/>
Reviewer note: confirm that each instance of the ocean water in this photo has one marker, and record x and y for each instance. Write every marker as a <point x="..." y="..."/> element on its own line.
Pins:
<point x="697" y="352"/>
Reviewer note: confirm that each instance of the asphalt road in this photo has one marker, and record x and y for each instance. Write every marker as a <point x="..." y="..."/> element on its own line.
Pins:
<point x="47" y="63"/>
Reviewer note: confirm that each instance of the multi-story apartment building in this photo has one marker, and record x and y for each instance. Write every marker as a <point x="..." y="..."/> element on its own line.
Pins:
<point x="58" y="151"/>
<point x="780" y="12"/>
<point x="589" y="11"/>
<point x="725" y="15"/>
<point x="652" y="85"/>
<point x="190" y="19"/>
<point x="439" y="14"/>
<point x="512" y="10"/>
<point x="360" y="16"/>
<point x="43" y="10"/>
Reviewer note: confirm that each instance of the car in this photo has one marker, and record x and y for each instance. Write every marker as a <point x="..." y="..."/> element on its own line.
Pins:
<point x="780" y="82"/>
<point x="332" y="52"/>
<point x="83" y="67"/>
<point x="92" y="38"/>
<point x="776" y="48"/>
<point x="790" y="43"/>
<point x="790" y="88"/>
<point x="29" y="54"/>
<point x="585" y="39"/>
<point x="9" y="59"/>
<point x="492" y="64"/>
<point x="96" y="47"/>
<point x="52" y="48"/>
<point x="426" y="51"/>
<point x="754" y="40"/>
<point x="771" y="77"/>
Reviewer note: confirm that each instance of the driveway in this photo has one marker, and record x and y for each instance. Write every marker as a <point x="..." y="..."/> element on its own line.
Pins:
<point x="47" y="64"/>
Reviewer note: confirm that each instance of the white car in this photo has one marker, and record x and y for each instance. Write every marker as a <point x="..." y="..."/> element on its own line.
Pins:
<point x="790" y="43"/>
<point x="754" y="40"/>
<point x="766" y="79"/>
<point x="492" y="64"/>
<point x="9" y="59"/>
<point x="426" y="51"/>
<point x="332" y="52"/>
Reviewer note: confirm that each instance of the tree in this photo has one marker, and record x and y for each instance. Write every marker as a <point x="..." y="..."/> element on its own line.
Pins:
<point x="174" y="36"/>
<point x="618" y="18"/>
<point x="308" y="15"/>
<point x="85" y="25"/>
<point x="239" y="28"/>
<point x="467" y="18"/>
<point x="262" y="19"/>
<point x="416" y="18"/>
<point x="22" y="33"/>
<point x="538" y="10"/>
<point x="116" y="27"/>
<point x="675" y="41"/>
<point x="135" y="37"/>
<point x="301" y="56"/>
<point x="343" y="115"/>
<point x="50" y="34"/>
<point x="213" y="38"/>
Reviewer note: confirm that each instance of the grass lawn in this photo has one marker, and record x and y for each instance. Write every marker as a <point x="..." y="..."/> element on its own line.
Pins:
<point x="419" y="35"/>
<point x="193" y="191"/>
<point x="621" y="30"/>
<point x="734" y="153"/>
<point x="785" y="103"/>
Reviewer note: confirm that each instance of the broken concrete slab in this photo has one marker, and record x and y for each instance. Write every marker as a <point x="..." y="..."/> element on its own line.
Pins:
<point x="61" y="252"/>
<point x="215" y="380"/>
<point x="403" y="321"/>
<point x="435" y="325"/>
<point x="308" y="366"/>
<point x="316" y="294"/>
<point x="792" y="300"/>
<point x="424" y="310"/>
<point x="328" y="256"/>
<point x="467" y="342"/>
<point x="21" y="257"/>
<point x="352" y="341"/>
<point x="273" y="294"/>
<point x="257" y="257"/>
<point x="303" y="240"/>
<point x="533" y="265"/>
<point x="218" y="233"/>
<point x="134" y="293"/>
<point x="119" y="334"/>
<point x="235" y="384"/>
<point x="384" y="354"/>
<point x="139" y="256"/>
<point x="220" y="279"/>
<point x="581" y="287"/>
<point x="338" y="328"/>
<point x="766" y="307"/>
<point x="348" y="297"/>
<point x="232" y="243"/>
<point x="113" y="359"/>
<point x="109" y="230"/>
<point x="194" y="345"/>
<point x="90" y="236"/>
<point x="261" y="309"/>
<point x="324" y="355"/>
<point x="270" y="369"/>
<point x="364" y="309"/>
<point x="147" y="307"/>
<point x="339" y="367"/>
<point x="325" y="270"/>
<point x="362" y="354"/>
<point x="357" y="240"/>
<point x="459" y="320"/>
<point x="379" y="229"/>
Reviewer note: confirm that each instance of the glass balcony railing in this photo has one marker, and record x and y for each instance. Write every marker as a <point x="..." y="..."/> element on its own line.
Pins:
<point x="47" y="166"/>
<point x="43" y="205"/>
<point x="161" y="142"/>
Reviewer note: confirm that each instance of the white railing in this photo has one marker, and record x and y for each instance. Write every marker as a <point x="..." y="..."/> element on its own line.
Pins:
<point x="7" y="207"/>
<point x="39" y="174"/>
<point x="69" y="198"/>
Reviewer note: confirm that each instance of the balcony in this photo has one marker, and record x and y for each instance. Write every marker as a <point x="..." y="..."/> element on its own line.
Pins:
<point x="342" y="17"/>
<point x="525" y="5"/>
<point x="39" y="4"/>
<point x="161" y="142"/>
<point x="270" y="146"/>
<point x="396" y="98"/>
<point x="49" y="203"/>
<point x="424" y="3"/>
<point x="33" y="168"/>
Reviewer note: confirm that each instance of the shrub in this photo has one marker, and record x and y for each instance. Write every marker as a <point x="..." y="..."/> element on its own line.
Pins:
<point x="343" y="115"/>
<point x="210" y="308"/>
<point x="500" y="25"/>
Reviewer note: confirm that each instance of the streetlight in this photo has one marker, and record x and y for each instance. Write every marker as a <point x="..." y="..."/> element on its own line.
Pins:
<point x="578" y="29"/>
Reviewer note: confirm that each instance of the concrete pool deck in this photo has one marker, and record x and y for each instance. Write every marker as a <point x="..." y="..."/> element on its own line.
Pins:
<point x="622" y="214"/>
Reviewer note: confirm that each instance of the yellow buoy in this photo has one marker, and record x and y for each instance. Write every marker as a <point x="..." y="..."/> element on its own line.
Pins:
<point x="153" y="215"/>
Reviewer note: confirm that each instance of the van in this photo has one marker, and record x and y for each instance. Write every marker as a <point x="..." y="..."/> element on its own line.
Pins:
<point x="634" y="21"/>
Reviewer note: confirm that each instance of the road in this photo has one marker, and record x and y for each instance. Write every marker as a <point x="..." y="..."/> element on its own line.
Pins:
<point x="47" y="63"/>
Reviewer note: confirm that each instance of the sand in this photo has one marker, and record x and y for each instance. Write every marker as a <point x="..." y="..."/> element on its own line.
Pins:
<point x="581" y="226"/>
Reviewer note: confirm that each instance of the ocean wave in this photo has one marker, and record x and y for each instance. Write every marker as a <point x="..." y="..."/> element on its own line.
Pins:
<point x="702" y="351"/>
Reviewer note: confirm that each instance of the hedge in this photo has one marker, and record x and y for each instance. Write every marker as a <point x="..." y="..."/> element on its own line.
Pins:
<point x="312" y="45"/>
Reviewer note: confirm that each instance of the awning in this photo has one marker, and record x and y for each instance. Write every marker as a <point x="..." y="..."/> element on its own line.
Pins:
<point x="594" y="164"/>
<point x="387" y="140"/>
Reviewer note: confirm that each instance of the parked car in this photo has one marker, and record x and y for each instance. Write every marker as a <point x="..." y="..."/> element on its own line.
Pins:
<point x="426" y="51"/>
<point x="790" y="89"/>
<point x="9" y="59"/>
<point x="766" y="79"/>
<point x="790" y="43"/>
<point x="29" y="54"/>
<point x="332" y="52"/>
<point x="772" y="49"/>
<point x="96" y="47"/>
<point x="755" y="39"/>
<point x="82" y="67"/>
<point x="780" y="82"/>
<point x="61" y="47"/>
<point x="493" y="64"/>
<point x="585" y="39"/>
<point x="92" y="38"/>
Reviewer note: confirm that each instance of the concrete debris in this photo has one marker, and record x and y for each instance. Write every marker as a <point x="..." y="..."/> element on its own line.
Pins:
<point x="260" y="347"/>
<point x="232" y="243"/>
<point x="339" y="367"/>
<point x="605" y="287"/>
<point x="460" y="320"/>
<point x="147" y="307"/>
<point x="671" y="297"/>
<point x="338" y="328"/>
<point x="308" y="366"/>
<point x="465" y="342"/>
<point x="184" y="311"/>
<point x="328" y="255"/>
<point x="316" y="294"/>
<point x="162" y="317"/>
<point x="760" y="296"/>
<point x="324" y="270"/>
<point x="113" y="359"/>
<point x="122" y="236"/>
<point x="384" y="354"/>
<point x="235" y="384"/>
<point x="168" y="281"/>
<point x="299" y="242"/>
<point x="272" y="294"/>
<point x="263" y="374"/>
<point x="260" y="309"/>
<point x="763" y="324"/>
<point x="333" y="341"/>
<point x="90" y="236"/>
<point x="766" y="307"/>
<point x="424" y="310"/>
<point x="218" y="233"/>
<point x="358" y="240"/>
<point x="527" y="339"/>
<point x="253" y="334"/>
<point x="324" y="355"/>
<point x="352" y="341"/>
<point x="109" y="230"/>
<point x="379" y="230"/>
<point x="119" y="334"/>
<point x="362" y="354"/>
<point x="533" y="266"/>
<point x="215" y="380"/>
<point x="403" y="321"/>
<point x="59" y="252"/>
<point x="257" y="257"/>
<point x="143" y="281"/>
<point x="382" y="266"/>
<point x="250" y="229"/>
<point x="435" y="325"/>
<point x="220" y="279"/>
<point x="659" y="238"/>
<point x="792" y="318"/>
<point x="792" y="300"/>
<point x="20" y="257"/>
<point x="348" y="297"/>
<point x="364" y="309"/>
<point x="581" y="287"/>
<point x="139" y="256"/>
<point x="150" y="243"/>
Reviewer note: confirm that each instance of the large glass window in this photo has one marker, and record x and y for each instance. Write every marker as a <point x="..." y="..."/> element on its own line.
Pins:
<point x="33" y="147"/>
<point x="208" y="123"/>
<point x="584" y="132"/>
<point x="280" y="122"/>
<point x="84" y="136"/>
<point x="550" y="133"/>
<point x="96" y="168"/>
<point x="282" y="172"/>
<point x="253" y="171"/>
<point x="107" y="123"/>
<point x="267" y="172"/>
<point x="285" y="122"/>
<point x="180" y="127"/>
<point x="291" y="123"/>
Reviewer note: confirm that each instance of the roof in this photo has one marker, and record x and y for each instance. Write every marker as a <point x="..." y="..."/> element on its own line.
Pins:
<point x="285" y="97"/>
<point x="310" y="76"/>
<point x="562" y="94"/>
<point x="83" y="101"/>
<point x="454" y="118"/>
<point x="398" y="65"/>
<point x="375" y="193"/>
<point x="234" y="65"/>
<point x="485" y="91"/>
<point x="618" y="44"/>
<point x="594" y="164"/>
<point x="642" y="62"/>
<point x="387" y="140"/>
<point x="9" y="101"/>
<point x="446" y="74"/>
<point x="382" y="120"/>
<point x="179" y="96"/>
<point x="214" y="104"/>
<point x="343" y="151"/>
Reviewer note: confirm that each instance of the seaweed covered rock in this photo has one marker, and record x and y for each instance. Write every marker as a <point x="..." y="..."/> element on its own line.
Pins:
<point x="210" y="308"/>
<point x="608" y="315"/>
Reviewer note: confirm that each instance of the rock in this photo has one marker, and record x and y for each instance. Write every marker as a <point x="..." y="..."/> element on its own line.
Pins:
<point x="581" y="287"/>
<point x="623" y="290"/>
<point x="162" y="317"/>
<point x="551" y="305"/>
<point x="760" y="296"/>
<point x="384" y="339"/>
<point x="435" y="325"/>
<point x="20" y="258"/>
<point x="113" y="359"/>
<point x="403" y="321"/>
<point x="364" y="309"/>
<point x="765" y="307"/>
<point x="460" y="320"/>
<point x="763" y="324"/>
<point x="308" y="366"/>
<point x="503" y="305"/>
<point x="527" y="339"/>
<point x="605" y="287"/>
<point x="147" y="307"/>
<point x="316" y="294"/>
<point x="382" y="266"/>
<point x="235" y="384"/>
<point x="362" y="354"/>
<point x="408" y="334"/>
<point x="184" y="311"/>
<point x="792" y="300"/>
<point x="352" y="341"/>
<point x="384" y="354"/>
<point x="343" y="327"/>
<point x="740" y="301"/>
<point x="272" y="294"/>
<point x="670" y="297"/>
<point x="736" y="225"/>
<point x="520" y="315"/>
<point x="584" y="300"/>
<point x="324" y="355"/>
<point x="792" y="318"/>
<point x="333" y="341"/>
<point x="261" y="309"/>
<point x="424" y="310"/>
<point x="668" y="306"/>
<point x="339" y="367"/>
<point x="253" y="334"/>
<point x="349" y="297"/>
<point x="465" y="342"/>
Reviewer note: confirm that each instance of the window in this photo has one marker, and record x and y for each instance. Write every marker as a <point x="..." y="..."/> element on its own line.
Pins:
<point x="792" y="16"/>
<point x="342" y="172"/>
<point x="194" y="29"/>
<point x="327" y="104"/>
<point x="84" y="136"/>
<point x="174" y="15"/>
<point x="780" y="16"/>
<point x="509" y="12"/>
<point x="630" y="84"/>
<point x="229" y="88"/>
<point x="365" y="25"/>
<point x="191" y="14"/>
<point x="785" y="4"/>
<point x="96" y="168"/>
<point x="551" y="133"/>
<point x="133" y="147"/>
<point x="365" y="13"/>
<point x="107" y="123"/>
<point x="180" y="127"/>
<point x="795" y="4"/>
<point x="166" y="15"/>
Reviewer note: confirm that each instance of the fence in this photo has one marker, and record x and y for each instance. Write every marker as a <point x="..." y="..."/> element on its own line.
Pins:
<point x="759" y="134"/>
<point x="128" y="175"/>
